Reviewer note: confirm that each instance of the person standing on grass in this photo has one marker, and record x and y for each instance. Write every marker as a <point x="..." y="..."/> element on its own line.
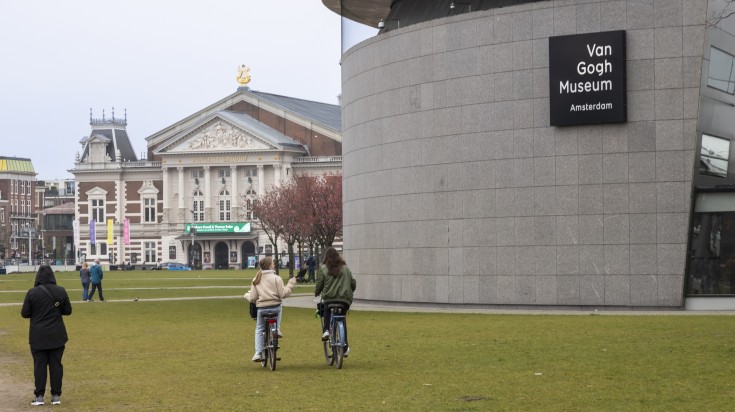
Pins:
<point x="84" y="277"/>
<point x="335" y="283"/>
<point x="311" y="263"/>
<point x="96" y="277"/>
<point x="267" y="291"/>
<point x="44" y="305"/>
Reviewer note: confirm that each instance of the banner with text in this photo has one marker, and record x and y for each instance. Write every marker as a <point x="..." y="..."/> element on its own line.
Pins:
<point x="218" y="227"/>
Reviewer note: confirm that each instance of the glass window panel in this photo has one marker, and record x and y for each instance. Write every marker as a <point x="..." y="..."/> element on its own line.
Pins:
<point x="721" y="74"/>
<point x="714" y="156"/>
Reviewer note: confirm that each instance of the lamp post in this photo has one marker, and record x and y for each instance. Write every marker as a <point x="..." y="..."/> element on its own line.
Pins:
<point x="31" y="232"/>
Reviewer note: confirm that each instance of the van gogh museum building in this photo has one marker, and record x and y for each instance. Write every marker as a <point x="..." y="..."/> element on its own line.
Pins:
<point x="540" y="154"/>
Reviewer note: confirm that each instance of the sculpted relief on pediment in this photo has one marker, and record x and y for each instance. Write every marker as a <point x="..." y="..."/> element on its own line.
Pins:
<point x="221" y="136"/>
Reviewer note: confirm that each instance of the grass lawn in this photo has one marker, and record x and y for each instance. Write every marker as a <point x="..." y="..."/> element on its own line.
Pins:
<point x="194" y="355"/>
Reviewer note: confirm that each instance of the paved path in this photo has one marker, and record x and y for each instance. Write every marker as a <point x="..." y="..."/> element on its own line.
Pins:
<point x="307" y="300"/>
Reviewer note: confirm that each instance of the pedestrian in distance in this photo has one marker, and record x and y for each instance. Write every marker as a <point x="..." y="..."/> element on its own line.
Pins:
<point x="267" y="291"/>
<point x="311" y="263"/>
<point x="44" y="305"/>
<point x="96" y="275"/>
<point x="84" y="277"/>
<point x="334" y="282"/>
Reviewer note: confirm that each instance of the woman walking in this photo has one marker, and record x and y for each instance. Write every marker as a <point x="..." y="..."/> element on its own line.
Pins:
<point x="44" y="305"/>
<point x="84" y="277"/>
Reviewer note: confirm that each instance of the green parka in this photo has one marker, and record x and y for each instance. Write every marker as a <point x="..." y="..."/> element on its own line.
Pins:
<point x="332" y="289"/>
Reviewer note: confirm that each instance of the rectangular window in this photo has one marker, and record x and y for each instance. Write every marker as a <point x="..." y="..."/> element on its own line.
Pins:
<point x="710" y="262"/>
<point x="714" y="156"/>
<point x="149" y="210"/>
<point x="30" y="209"/>
<point x="92" y="249"/>
<point x="149" y="248"/>
<point x="197" y="173"/>
<point x="198" y="211"/>
<point x="172" y="252"/>
<point x="22" y="208"/>
<point x="224" y="172"/>
<point x="721" y="74"/>
<point x="98" y="210"/>
<point x="103" y="249"/>
<point x="224" y="210"/>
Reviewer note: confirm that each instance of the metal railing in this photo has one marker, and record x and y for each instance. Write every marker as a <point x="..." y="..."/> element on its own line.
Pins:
<point x="318" y="159"/>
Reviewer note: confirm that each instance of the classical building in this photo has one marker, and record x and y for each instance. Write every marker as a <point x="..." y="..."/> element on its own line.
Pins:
<point x="198" y="182"/>
<point x="18" y="206"/>
<point x="541" y="153"/>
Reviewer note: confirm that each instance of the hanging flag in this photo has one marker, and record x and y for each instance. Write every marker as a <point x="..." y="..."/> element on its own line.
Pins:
<point x="77" y="237"/>
<point x="92" y="234"/>
<point x="126" y="232"/>
<point x="109" y="232"/>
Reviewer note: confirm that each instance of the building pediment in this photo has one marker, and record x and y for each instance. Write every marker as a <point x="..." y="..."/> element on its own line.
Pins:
<point x="220" y="135"/>
<point x="96" y="191"/>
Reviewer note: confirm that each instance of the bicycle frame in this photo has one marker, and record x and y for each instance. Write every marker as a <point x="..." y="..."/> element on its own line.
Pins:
<point x="337" y="334"/>
<point x="271" y="341"/>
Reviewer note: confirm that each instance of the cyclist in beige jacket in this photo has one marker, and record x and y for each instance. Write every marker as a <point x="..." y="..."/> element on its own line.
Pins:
<point x="267" y="291"/>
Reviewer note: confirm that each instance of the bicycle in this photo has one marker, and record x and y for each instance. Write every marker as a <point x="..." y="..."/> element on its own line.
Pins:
<point x="268" y="357"/>
<point x="336" y="345"/>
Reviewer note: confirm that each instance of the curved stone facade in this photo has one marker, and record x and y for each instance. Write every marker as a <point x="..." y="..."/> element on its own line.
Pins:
<point x="457" y="190"/>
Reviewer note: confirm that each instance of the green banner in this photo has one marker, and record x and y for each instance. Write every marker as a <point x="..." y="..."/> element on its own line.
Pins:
<point x="218" y="227"/>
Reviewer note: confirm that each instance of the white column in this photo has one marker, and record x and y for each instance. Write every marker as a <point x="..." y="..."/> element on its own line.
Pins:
<point x="233" y="186"/>
<point x="277" y="180"/>
<point x="165" y="189"/>
<point x="261" y="181"/>
<point x="207" y="194"/>
<point x="181" y="187"/>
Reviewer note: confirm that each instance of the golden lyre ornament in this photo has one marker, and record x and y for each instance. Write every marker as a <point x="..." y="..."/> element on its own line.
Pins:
<point x="243" y="75"/>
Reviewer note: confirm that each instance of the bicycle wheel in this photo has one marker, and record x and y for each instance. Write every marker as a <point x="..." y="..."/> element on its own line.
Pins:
<point x="264" y="354"/>
<point x="338" y="344"/>
<point x="327" y="352"/>
<point x="272" y="348"/>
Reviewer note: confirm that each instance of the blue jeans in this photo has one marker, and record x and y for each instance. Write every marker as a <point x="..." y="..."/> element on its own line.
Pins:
<point x="85" y="291"/>
<point x="260" y="326"/>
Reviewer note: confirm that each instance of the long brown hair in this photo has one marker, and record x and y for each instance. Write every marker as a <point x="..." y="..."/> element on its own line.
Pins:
<point x="264" y="264"/>
<point x="334" y="262"/>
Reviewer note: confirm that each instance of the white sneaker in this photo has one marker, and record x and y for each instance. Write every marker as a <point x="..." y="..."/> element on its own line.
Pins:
<point x="257" y="357"/>
<point x="37" y="401"/>
<point x="325" y="336"/>
<point x="347" y="352"/>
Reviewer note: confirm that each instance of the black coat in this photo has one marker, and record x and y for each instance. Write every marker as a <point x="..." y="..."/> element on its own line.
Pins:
<point x="47" y="330"/>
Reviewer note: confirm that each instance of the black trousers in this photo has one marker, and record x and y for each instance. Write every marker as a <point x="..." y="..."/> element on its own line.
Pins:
<point x="96" y="286"/>
<point x="51" y="359"/>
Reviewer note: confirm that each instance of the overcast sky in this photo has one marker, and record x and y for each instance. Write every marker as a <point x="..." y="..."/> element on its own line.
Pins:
<point x="162" y="60"/>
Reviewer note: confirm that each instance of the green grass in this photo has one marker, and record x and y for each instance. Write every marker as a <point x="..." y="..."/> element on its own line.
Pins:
<point x="194" y="355"/>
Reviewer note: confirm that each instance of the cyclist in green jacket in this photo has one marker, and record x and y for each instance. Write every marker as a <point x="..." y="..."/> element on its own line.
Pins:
<point x="334" y="282"/>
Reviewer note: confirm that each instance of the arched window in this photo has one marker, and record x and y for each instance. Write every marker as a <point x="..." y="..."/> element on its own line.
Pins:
<point x="224" y="206"/>
<point x="198" y="207"/>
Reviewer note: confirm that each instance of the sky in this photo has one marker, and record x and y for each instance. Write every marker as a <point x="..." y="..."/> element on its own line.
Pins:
<point x="162" y="60"/>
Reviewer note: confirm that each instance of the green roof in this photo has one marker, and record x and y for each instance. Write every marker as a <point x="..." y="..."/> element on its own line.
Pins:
<point x="15" y="164"/>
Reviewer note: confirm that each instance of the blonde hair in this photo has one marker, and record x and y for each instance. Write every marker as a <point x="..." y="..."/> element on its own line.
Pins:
<point x="85" y="265"/>
<point x="264" y="264"/>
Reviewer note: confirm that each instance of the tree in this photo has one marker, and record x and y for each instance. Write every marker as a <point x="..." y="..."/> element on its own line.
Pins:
<point x="325" y="193"/>
<point x="265" y="209"/>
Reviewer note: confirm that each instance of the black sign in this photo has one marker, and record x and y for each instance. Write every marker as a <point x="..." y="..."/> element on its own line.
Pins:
<point x="587" y="78"/>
